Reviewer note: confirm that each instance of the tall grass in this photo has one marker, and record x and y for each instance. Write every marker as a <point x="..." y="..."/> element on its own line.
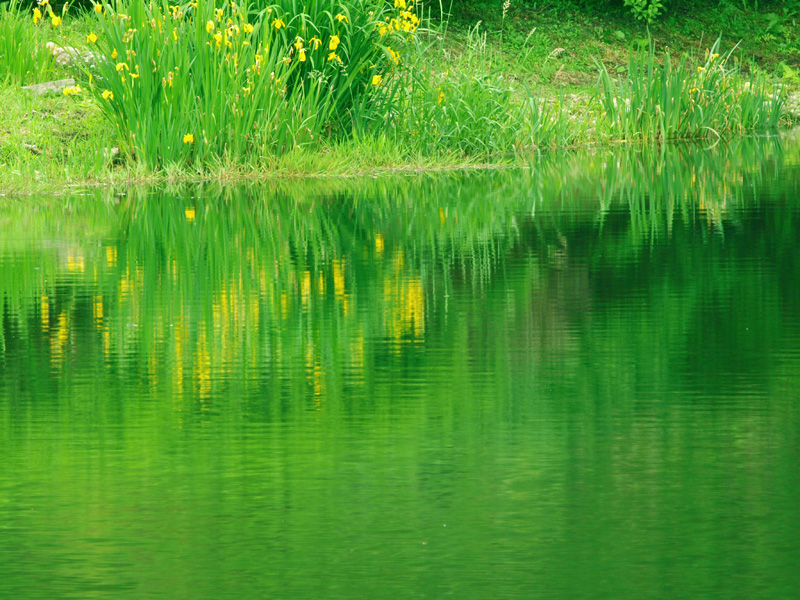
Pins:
<point x="201" y="84"/>
<point x="24" y="59"/>
<point x="197" y="83"/>
<point x="460" y="104"/>
<point x="678" y="100"/>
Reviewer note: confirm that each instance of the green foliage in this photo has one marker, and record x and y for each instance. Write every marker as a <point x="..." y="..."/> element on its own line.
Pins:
<point x="468" y="109"/>
<point x="645" y="10"/>
<point x="24" y="58"/>
<point x="201" y="83"/>
<point x="679" y="101"/>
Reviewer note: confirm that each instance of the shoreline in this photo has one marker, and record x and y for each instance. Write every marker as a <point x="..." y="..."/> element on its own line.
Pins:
<point x="56" y="143"/>
<point x="67" y="188"/>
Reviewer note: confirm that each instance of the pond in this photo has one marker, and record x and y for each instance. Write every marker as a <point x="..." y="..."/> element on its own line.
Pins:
<point x="577" y="380"/>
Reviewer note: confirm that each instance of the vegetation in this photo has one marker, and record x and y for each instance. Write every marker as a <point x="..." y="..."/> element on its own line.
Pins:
<point x="679" y="101"/>
<point x="199" y="90"/>
<point x="23" y="56"/>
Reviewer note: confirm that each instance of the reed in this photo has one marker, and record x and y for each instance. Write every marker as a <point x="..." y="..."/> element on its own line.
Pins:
<point x="678" y="100"/>
<point x="24" y="59"/>
<point x="199" y="83"/>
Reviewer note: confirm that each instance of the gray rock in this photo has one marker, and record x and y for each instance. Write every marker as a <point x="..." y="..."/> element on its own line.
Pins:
<point x="50" y="86"/>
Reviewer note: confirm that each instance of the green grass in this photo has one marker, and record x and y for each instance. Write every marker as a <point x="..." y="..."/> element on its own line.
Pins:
<point x="23" y="56"/>
<point x="459" y="95"/>
<point x="556" y="43"/>
<point x="678" y="100"/>
<point x="202" y="85"/>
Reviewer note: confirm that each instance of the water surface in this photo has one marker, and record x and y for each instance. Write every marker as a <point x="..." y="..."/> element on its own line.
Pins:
<point x="579" y="380"/>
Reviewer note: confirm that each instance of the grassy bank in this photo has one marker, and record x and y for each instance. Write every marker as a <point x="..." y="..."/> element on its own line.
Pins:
<point x="184" y="92"/>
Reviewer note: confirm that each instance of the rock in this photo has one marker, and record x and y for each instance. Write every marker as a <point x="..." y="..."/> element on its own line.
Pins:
<point x="50" y="86"/>
<point x="67" y="56"/>
<point x="793" y="105"/>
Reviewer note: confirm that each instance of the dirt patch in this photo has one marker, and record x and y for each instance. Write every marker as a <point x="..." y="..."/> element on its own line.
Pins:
<point x="564" y="78"/>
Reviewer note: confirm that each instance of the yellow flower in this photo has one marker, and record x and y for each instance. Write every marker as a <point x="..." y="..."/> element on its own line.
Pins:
<point x="400" y="3"/>
<point x="91" y="38"/>
<point x="298" y="43"/>
<point x="56" y="21"/>
<point x="108" y="95"/>
<point x="440" y="99"/>
<point x="37" y="15"/>
<point x="175" y="34"/>
<point x="316" y="41"/>
<point x="247" y="28"/>
<point x="302" y="55"/>
<point x="188" y="139"/>
<point x="383" y="30"/>
<point x="98" y="8"/>
<point x="189" y="211"/>
<point x="71" y="91"/>
<point x="114" y="54"/>
<point x="334" y="56"/>
<point x="334" y="43"/>
<point x="278" y="23"/>
<point x="218" y="39"/>
<point x="218" y="14"/>
<point x="286" y="60"/>
<point x="341" y="18"/>
<point x="376" y="80"/>
<point x="121" y="66"/>
<point x="209" y="26"/>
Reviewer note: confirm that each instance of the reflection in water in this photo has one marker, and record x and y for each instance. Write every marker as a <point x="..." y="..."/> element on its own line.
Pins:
<point x="576" y="380"/>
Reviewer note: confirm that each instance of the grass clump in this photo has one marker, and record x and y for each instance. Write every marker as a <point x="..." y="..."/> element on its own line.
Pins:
<point x="24" y="59"/>
<point x="198" y="83"/>
<point x="201" y="84"/>
<point x="677" y="100"/>
<point x="459" y="104"/>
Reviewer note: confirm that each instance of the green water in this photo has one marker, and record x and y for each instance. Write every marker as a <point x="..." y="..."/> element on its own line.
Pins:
<point x="580" y="380"/>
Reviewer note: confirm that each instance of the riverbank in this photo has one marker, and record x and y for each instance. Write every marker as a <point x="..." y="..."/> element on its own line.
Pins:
<point x="544" y="63"/>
